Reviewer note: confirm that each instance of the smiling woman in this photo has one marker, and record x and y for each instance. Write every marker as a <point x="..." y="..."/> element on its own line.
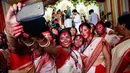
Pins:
<point x="69" y="60"/>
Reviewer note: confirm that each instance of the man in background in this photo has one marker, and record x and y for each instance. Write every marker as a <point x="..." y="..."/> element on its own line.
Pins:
<point x="93" y="17"/>
<point x="77" y="19"/>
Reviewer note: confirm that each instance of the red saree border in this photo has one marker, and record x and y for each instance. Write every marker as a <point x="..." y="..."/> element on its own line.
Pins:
<point x="95" y="55"/>
<point x="25" y="66"/>
<point x="121" y="60"/>
<point x="43" y="62"/>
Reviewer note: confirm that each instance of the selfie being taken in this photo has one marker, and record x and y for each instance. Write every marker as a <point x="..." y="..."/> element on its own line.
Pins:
<point x="64" y="36"/>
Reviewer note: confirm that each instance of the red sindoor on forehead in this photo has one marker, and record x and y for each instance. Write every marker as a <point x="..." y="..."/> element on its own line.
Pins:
<point x="65" y="33"/>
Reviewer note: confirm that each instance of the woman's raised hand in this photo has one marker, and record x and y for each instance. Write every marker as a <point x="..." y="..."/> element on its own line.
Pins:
<point x="13" y="28"/>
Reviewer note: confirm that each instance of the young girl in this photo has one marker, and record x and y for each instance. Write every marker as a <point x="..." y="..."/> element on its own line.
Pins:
<point x="78" y="42"/>
<point x="73" y="32"/>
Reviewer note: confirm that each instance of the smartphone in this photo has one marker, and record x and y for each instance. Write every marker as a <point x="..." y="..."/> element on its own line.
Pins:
<point x="30" y="12"/>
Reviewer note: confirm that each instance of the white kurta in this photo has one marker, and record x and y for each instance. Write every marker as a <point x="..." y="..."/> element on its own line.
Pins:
<point x="68" y="23"/>
<point x="112" y="39"/>
<point x="93" y="18"/>
<point x="77" y="21"/>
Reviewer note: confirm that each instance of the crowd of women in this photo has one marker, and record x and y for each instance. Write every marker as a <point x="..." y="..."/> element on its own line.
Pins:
<point x="38" y="47"/>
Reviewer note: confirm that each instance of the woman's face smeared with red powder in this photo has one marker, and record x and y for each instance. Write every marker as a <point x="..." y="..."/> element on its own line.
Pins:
<point x="65" y="39"/>
<point x="85" y="32"/>
<point x="78" y="42"/>
<point x="100" y="29"/>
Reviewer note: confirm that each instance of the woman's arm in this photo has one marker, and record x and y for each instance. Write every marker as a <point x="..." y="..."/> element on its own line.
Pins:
<point x="107" y="59"/>
<point x="13" y="29"/>
<point x="84" y="61"/>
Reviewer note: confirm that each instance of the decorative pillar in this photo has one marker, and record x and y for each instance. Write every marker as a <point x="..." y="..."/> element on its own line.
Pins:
<point x="114" y="10"/>
<point x="122" y="6"/>
<point x="125" y="6"/>
<point x="119" y="7"/>
<point x="106" y="6"/>
<point x="112" y="15"/>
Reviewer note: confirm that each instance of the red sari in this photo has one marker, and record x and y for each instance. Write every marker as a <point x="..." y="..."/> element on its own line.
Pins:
<point x="20" y="63"/>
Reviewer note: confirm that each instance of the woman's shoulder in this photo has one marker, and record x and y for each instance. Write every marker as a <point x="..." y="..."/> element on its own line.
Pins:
<point x="97" y="37"/>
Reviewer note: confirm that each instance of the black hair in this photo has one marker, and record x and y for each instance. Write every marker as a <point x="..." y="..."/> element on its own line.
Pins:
<point x="73" y="27"/>
<point x="85" y="24"/>
<point x="58" y="10"/>
<point x="91" y="11"/>
<point x="74" y="10"/>
<point x="127" y="26"/>
<point x="124" y="20"/>
<point x="102" y="23"/>
<point x="108" y="24"/>
<point x="65" y="30"/>
<point x="35" y="27"/>
<point x="81" y="36"/>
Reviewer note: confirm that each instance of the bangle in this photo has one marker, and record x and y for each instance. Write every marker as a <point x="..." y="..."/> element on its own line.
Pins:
<point x="46" y="45"/>
<point x="27" y="44"/>
<point x="7" y="34"/>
